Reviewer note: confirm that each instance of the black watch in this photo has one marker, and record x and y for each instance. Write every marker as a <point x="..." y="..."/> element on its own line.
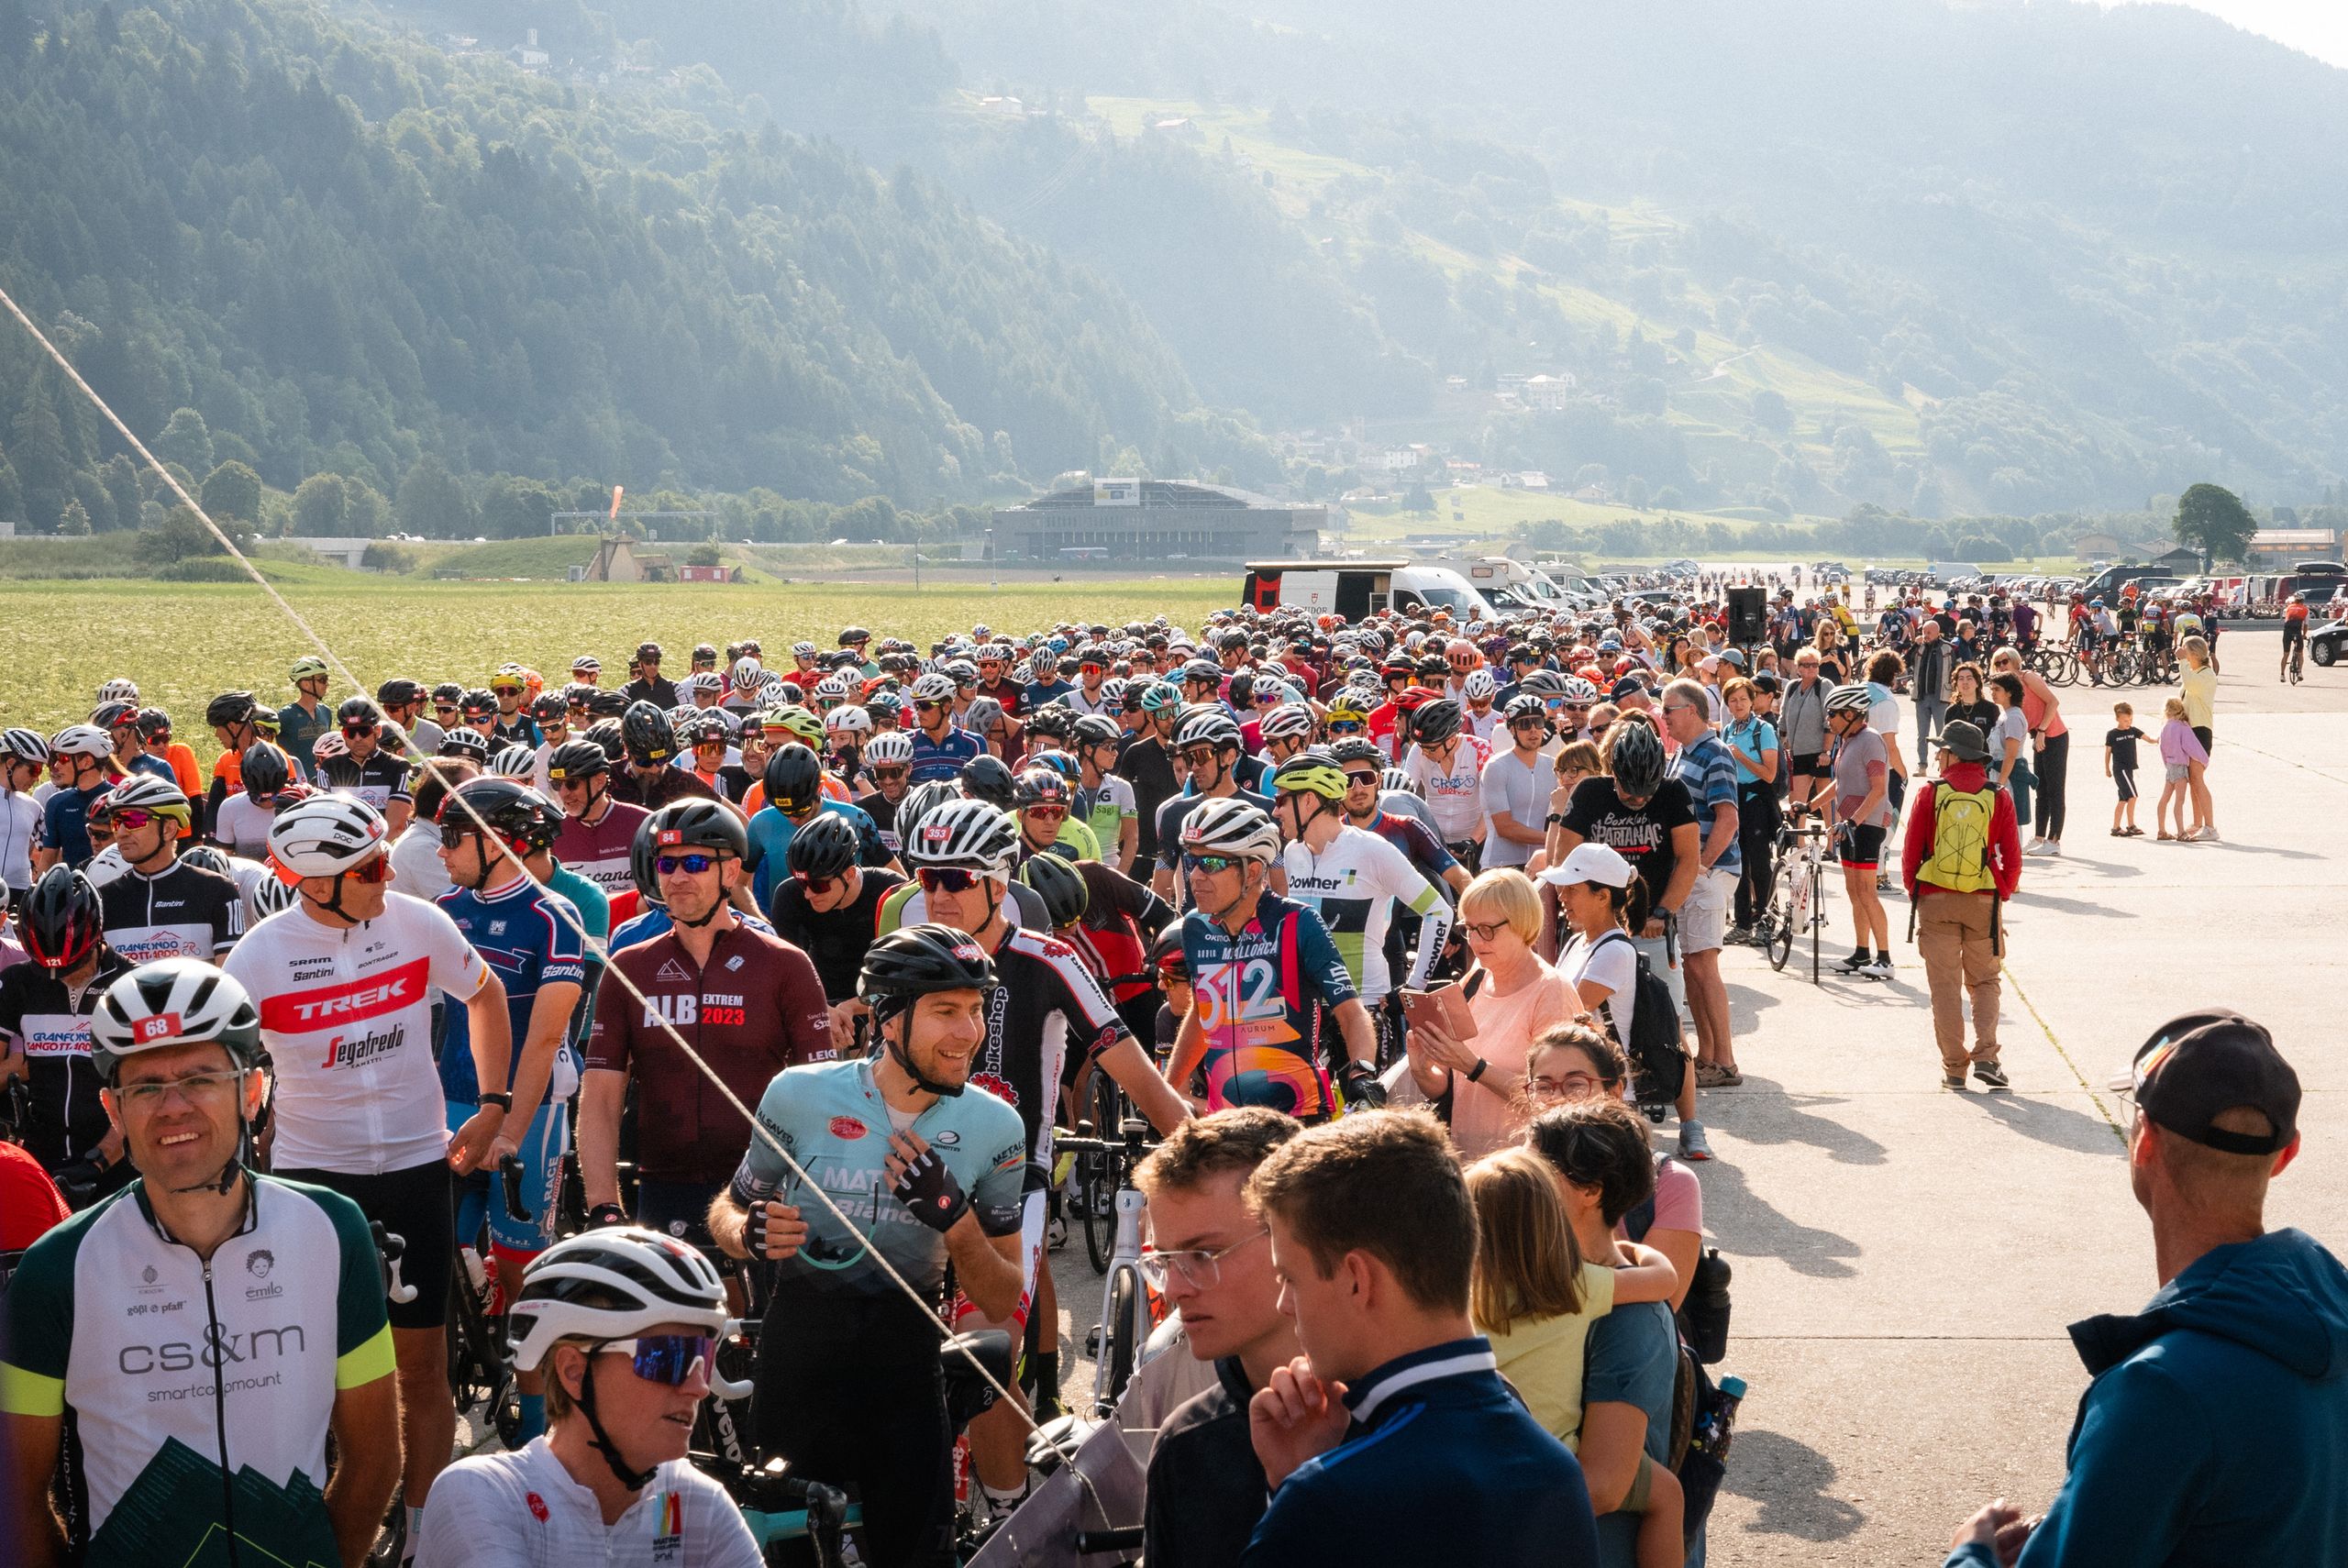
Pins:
<point x="502" y="1100"/>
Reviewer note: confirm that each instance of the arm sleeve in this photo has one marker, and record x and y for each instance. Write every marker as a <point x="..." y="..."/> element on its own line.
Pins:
<point x="40" y="1317"/>
<point x="362" y="1341"/>
<point x="1093" y="1024"/>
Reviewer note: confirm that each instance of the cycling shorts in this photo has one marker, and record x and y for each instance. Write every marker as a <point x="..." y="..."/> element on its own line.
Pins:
<point x="679" y="1208"/>
<point x="1810" y="765"/>
<point x="414" y="1205"/>
<point x="1032" y="1207"/>
<point x="483" y="1194"/>
<point x="1861" y="847"/>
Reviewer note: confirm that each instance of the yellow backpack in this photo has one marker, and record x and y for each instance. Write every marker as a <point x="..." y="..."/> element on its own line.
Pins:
<point x="1960" y="856"/>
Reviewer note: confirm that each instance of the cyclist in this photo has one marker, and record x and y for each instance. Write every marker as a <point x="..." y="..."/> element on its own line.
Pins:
<point x="120" y="721"/>
<point x="344" y="980"/>
<point x="2295" y="639"/>
<point x="161" y="907"/>
<point x="1207" y="742"/>
<point x="1263" y="975"/>
<point x="301" y="721"/>
<point x="829" y="906"/>
<point x="645" y="681"/>
<point x="1045" y="805"/>
<point x="929" y="1166"/>
<point x="402" y="701"/>
<point x="747" y="1003"/>
<point x="79" y="756"/>
<point x="176" y="1379"/>
<point x="1355" y="880"/>
<point x="45" y="1008"/>
<point x="24" y="757"/>
<point x="940" y="749"/>
<point x="366" y="771"/>
<point x="623" y="1325"/>
<point x="598" y="831"/>
<point x="530" y="936"/>
<point x="1370" y="806"/>
<point x="235" y="720"/>
<point x="1097" y="742"/>
<point x="794" y="796"/>
<point x="1447" y="765"/>
<point x="1145" y="757"/>
<point x="649" y="778"/>
<point x="889" y="763"/>
<point x="512" y="724"/>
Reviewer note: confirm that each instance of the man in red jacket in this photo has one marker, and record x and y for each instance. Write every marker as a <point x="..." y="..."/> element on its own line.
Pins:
<point x="1960" y="862"/>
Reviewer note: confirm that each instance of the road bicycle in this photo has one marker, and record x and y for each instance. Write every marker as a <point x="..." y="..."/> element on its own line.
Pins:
<point x="1126" y="1314"/>
<point x="1799" y="902"/>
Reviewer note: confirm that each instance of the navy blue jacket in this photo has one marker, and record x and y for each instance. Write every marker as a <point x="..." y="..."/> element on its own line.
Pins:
<point x="1441" y="1464"/>
<point x="2215" y="1433"/>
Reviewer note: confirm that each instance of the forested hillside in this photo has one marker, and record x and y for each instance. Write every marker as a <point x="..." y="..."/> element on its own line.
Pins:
<point x="340" y="252"/>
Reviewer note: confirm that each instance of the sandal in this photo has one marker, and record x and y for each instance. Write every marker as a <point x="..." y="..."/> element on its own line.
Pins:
<point x="1712" y="1075"/>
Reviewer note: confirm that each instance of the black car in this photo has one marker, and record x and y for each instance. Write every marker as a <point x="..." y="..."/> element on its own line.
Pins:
<point x="2327" y="643"/>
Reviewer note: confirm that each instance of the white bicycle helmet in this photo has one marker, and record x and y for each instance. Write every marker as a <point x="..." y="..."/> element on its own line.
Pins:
<point x="172" y="1001"/>
<point x="1479" y="686"/>
<point x="1852" y="699"/>
<point x="25" y="746"/>
<point x="1287" y="721"/>
<point x="515" y="761"/>
<point x="747" y="673"/>
<point x="270" y="894"/>
<point x="612" y="1284"/>
<point x="326" y="835"/>
<point x="1206" y="726"/>
<point x="804" y="648"/>
<point x="848" y="721"/>
<point x="328" y="746"/>
<point x="700" y="680"/>
<point x="586" y="664"/>
<point x="145" y="792"/>
<point x="831" y="685"/>
<point x="933" y="688"/>
<point x="118" y="691"/>
<point x="889" y="746"/>
<point x="1579" y="689"/>
<point x="1230" y="826"/>
<point x="81" y="740"/>
<point x="967" y="834"/>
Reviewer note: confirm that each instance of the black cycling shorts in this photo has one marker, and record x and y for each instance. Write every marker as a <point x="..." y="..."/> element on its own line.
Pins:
<point x="679" y="1208"/>
<point x="1861" y="847"/>
<point x="1810" y="765"/>
<point x="416" y="1205"/>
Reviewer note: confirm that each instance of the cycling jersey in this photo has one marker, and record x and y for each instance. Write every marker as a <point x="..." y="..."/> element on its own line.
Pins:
<point x="770" y="836"/>
<point x="182" y="911"/>
<point x="65" y="822"/>
<point x="530" y="939"/>
<point x="834" y="940"/>
<point x="524" y="1510"/>
<point x="832" y="1120"/>
<point x="883" y="813"/>
<point x="242" y="825"/>
<point x="907" y="905"/>
<point x="943" y="757"/>
<point x="1454" y="791"/>
<point x="379" y="780"/>
<point x="346" y="1016"/>
<point x="21" y="817"/>
<point x="658" y="787"/>
<point x="298" y="729"/>
<point x="1112" y="806"/>
<point x="1176" y="812"/>
<point x="111" y="1319"/>
<point x="515" y="729"/>
<point x="756" y="1008"/>
<point x="599" y="852"/>
<point x="1255" y="994"/>
<point x="49" y="1023"/>
<point x="1045" y="1017"/>
<point x="1354" y="885"/>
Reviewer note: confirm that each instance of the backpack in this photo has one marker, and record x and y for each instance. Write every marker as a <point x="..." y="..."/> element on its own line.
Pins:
<point x="1961" y="823"/>
<point x="1658" y="1062"/>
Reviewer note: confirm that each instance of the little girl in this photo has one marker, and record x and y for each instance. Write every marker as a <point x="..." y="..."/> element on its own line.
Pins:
<point x="1576" y="761"/>
<point x="1534" y="1298"/>
<point x="2180" y="749"/>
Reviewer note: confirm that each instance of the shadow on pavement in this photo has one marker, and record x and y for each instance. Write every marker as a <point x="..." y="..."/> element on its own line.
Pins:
<point x="2056" y="1125"/>
<point x="1789" y="1481"/>
<point x="2031" y="898"/>
<point x="1777" y="1116"/>
<point x="1746" y="1225"/>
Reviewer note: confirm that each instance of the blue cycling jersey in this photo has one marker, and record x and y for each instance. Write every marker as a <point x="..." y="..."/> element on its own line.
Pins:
<point x="943" y="757"/>
<point x="655" y="921"/>
<point x="770" y="836"/>
<point x="831" y="1118"/>
<point x="1259" y="997"/>
<point x="529" y="937"/>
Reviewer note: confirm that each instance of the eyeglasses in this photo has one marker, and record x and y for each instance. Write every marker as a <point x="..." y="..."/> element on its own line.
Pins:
<point x="1485" y="930"/>
<point x="1213" y="865"/>
<point x="814" y="884"/>
<point x="573" y="783"/>
<point x="1566" y="1085"/>
<point x="375" y="868"/>
<point x="691" y="864"/>
<point x="355" y="727"/>
<point x="149" y="1094"/>
<point x="1200" y="755"/>
<point x="669" y="1359"/>
<point x="1201" y="1270"/>
<point x="945" y="878"/>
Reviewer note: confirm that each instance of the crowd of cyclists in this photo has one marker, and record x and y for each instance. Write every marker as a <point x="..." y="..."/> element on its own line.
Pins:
<point x="443" y="972"/>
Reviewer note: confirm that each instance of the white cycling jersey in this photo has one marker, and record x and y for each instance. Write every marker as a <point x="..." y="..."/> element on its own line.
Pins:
<point x="522" y="1510"/>
<point x="1455" y="796"/>
<point x="1354" y="885"/>
<point x="346" y="1016"/>
<point x="242" y="825"/>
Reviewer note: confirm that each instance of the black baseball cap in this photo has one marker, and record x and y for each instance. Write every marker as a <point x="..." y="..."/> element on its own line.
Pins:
<point x="2199" y="1066"/>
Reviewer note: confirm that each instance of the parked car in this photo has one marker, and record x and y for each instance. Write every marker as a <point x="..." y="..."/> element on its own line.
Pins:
<point x="2327" y="643"/>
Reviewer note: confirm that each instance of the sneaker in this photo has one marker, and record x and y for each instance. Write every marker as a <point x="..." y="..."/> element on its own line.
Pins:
<point x="1876" y="968"/>
<point x="1952" y="1081"/>
<point x="1693" y="1145"/>
<point x="1857" y="962"/>
<point x="1992" y="1075"/>
<point x="2206" y="836"/>
<point x="2053" y="847"/>
<point x="2033" y="847"/>
<point x="1741" y="936"/>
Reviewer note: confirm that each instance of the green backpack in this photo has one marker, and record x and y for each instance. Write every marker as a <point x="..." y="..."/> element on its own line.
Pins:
<point x="1960" y="856"/>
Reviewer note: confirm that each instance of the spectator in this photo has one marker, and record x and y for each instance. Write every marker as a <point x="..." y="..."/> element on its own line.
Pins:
<point x="1513" y="996"/>
<point x="2049" y="753"/>
<point x="2215" y="1428"/>
<point x="1960" y="862"/>
<point x="1708" y="770"/>
<point x="1392" y="1438"/>
<point x="2198" y="685"/>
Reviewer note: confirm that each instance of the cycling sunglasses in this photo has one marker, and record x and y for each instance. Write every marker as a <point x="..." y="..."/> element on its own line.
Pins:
<point x="377" y="868"/>
<point x="814" y="884"/>
<point x="890" y="775"/>
<point x="1201" y="756"/>
<point x="669" y="1359"/>
<point x="130" y="819"/>
<point x="455" y="833"/>
<point x="1051" y="813"/>
<point x="925" y="704"/>
<point x="692" y="865"/>
<point x="1213" y="865"/>
<point x="355" y="727"/>
<point x="1345" y="726"/>
<point x="946" y="879"/>
<point x="1356" y="779"/>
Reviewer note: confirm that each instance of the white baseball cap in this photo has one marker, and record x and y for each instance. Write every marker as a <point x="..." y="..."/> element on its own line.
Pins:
<point x="1591" y="863"/>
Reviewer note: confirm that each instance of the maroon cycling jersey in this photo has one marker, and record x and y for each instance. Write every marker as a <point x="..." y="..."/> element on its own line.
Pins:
<point x="756" y="1009"/>
<point x="657" y="788"/>
<point x="600" y="854"/>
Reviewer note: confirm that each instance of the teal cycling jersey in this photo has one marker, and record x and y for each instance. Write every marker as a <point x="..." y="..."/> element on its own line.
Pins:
<point x="831" y="1118"/>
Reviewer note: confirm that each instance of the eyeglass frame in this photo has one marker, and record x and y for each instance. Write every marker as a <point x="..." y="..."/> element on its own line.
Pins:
<point x="1157" y="1267"/>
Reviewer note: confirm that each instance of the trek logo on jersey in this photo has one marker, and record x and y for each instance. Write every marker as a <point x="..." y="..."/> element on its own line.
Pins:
<point x="355" y="1001"/>
<point x="163" y="1026"/>
<point x="357" y="1050"/>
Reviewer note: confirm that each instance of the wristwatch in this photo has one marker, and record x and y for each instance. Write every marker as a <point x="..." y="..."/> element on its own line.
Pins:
<point x="499" y="1098"/>
<point x="1478" y="1070"/>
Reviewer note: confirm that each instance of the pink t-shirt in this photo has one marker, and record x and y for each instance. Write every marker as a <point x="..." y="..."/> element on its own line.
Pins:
<point x="1678" y="1201"/>
<point x="1482" y="1121"/>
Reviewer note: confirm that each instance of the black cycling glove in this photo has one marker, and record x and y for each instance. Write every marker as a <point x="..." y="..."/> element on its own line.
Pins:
<point x="1357" y="1081"/>
<point x="930" y="1190"/>
<point x="604" y="1215"/>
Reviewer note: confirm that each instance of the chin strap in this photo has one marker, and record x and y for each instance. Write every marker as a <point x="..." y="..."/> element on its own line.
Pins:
<point x="332" y="906"/>
<point x="634" y="1480"/>
<point x="896" y="1047"/>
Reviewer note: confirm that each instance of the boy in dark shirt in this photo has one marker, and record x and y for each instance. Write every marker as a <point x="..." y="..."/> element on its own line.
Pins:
<point x="2119" y="767"/>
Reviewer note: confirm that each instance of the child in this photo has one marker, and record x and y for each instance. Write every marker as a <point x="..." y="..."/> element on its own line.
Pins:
<point x="2119" y="767"/>
<point x="2180" y="749"/>
<point x="1534" y="1298"/>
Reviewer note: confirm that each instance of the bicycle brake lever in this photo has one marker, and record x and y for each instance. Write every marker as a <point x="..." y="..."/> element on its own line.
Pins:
<point x="729" y="1388"/>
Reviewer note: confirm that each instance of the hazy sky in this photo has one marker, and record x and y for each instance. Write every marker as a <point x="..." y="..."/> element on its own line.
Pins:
<point x="2320" y="27"/>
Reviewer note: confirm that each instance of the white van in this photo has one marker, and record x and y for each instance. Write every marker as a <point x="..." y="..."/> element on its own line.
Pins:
<point x="1357" y="590"/>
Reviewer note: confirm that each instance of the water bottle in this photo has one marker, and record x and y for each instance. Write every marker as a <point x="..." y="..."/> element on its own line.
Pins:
<point x="476" y="1272"/>
<point x="1724" y="1415"/>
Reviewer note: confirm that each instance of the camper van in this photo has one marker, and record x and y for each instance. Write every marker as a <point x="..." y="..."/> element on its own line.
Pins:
<point x="1357" y="590"/>
<point x="1511" y="585"/>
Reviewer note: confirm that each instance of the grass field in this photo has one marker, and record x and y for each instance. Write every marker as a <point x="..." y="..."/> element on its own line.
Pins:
<point x="184" y="643"/>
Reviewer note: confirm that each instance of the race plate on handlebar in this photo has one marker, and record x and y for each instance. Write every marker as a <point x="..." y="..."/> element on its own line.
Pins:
<point x="1042" y="1532"/>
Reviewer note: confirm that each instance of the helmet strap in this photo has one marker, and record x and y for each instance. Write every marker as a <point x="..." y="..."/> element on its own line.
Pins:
<point x="634" y="1480"/>
<point x="332" y="906"/>
<point x="901" y="1014"/>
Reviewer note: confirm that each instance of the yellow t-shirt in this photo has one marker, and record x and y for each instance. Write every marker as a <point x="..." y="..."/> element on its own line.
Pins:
<point x="2200" y="689"/>
<point x="1544" y="1358"/>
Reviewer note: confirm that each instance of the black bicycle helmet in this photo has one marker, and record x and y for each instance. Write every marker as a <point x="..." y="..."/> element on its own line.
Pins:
<point x="510" y="809"/>
<point x="1634" y="757"/>
<point x="919" y="801"/>
<point x="794" y="780"/>
<point x="826" y="846"/>
<point x="696" y="825"/>
<point x="915" y="960"/>
<point x="229" y="709"/>
<point x="1061" y="887"/>
<point x="576" y="759"/>
<point x="645" y="732"/>
<point x="1435" y="723"/>
<point x="1053" y="721"/>
<point x="263" y="767"/>
<point x="399" y="691"/>
<point x="1042" y="786"/>
<point x="605" y="736"/>
<point x="1168" y="955"/>
<point x="59" y="920"/>
<point x="1097" y="729"/>
<point x="602" y="704"/>
<point x="478" y="702"/>
<point x="1354" y="748"/>
<point x="357" y="710"/>
<point x="988" y="779"/>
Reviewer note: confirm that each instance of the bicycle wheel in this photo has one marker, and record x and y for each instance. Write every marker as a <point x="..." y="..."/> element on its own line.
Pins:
<point x="1121" y="1333"/>
<point x="2120" y="669"/>
<point x="1101" y="1173"/>
<point x="1817" y="922"/>
<point x="1778" y="930"/>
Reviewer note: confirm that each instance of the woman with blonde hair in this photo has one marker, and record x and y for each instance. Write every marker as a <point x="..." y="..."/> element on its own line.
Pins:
<point x="1512" y="996"/>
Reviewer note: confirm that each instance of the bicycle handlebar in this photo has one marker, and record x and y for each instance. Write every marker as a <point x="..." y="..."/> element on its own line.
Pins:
<point x="391" y="1245"/>
<point x="509" y="1171"/>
